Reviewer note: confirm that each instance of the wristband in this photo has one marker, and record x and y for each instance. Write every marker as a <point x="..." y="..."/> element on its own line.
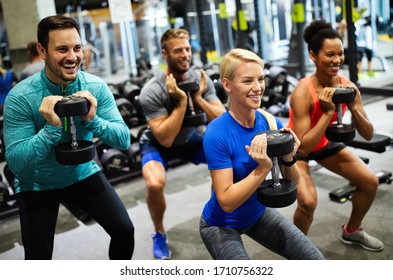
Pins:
<point x="290" y="163"/>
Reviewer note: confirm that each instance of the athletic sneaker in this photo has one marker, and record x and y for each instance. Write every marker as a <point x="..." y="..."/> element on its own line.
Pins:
<point x="363" y="76"/>
<point x="362" y="238"/>
<point x="160" y="246"/>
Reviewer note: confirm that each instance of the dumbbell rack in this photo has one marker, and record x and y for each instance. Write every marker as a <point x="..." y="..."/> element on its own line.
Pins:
<point x="9" y="210"/>
<point x="10" y="207"/>
<point x="130" y="171"/>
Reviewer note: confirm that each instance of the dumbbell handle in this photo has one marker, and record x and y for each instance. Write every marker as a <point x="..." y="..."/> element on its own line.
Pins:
<point x="276" y="172"/>
<point x="339" y="114"/>
<point x="190" y="104"/>
<point x="74" y="142"/>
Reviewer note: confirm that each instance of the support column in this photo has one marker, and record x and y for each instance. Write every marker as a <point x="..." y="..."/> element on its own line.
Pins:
<point x="352" y="47"/>
<point x="296" y="58"/>
<point x="20" y="19"/>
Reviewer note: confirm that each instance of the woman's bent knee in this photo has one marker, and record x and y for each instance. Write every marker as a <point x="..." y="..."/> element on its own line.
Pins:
<point x="368" y="184"/>
<point x="307" y="207"/>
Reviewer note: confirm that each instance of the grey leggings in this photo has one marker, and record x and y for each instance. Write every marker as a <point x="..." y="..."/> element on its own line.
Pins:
<point x="272" y="231"/>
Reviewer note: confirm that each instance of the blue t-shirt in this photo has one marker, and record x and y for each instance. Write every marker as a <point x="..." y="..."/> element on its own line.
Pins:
<point x="224" y="144"/>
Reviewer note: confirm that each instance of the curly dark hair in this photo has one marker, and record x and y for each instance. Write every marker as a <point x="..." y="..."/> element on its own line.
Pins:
<point x="316" y="32"/>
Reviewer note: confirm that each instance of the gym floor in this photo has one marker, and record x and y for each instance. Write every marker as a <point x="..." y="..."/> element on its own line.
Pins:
<point x="188" y="189"/>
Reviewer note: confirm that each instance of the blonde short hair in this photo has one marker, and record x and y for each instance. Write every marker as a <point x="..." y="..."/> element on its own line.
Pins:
<point x="234" y="58"/>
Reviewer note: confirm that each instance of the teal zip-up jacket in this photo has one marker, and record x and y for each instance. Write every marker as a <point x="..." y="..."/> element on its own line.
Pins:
<point x="29" y="140"/>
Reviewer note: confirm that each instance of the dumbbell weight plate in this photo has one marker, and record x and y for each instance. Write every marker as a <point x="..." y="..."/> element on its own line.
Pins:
<point x="277" y="196"/>
<point x="113" y="161"/>
<point x="271" y="195"/>
<point x="195" y="119"/>
<point x="213" y="74"/>
<point x="128" y="112"/>
<point x="278" y="143"/>
<point x="130" y="91"/>
<point x="68" y="155"/>
<point x="133" y="155"/>
<point x="278" y="75"/>
<point x="126" y="86"/>
<point x="188" y="86"/>
<point x="343" y="95"/>
<point x="72" y="106"/>
<point x="220" y="91"/>
<point x="342" y="133"/>
<point x="139" y="112"/>
<point x="114" y="90"/>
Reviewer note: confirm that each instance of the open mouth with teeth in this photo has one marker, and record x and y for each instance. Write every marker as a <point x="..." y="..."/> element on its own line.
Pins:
<point x="254" y="98"/>
<point x="70" y="68"/>
<point x="184" y="63"/>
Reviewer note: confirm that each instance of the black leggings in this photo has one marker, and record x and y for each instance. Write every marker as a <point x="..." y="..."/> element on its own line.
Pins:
<point x="38" y="211"/>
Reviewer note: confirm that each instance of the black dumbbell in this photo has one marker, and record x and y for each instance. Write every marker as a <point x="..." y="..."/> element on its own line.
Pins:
<point x="133" y="155"/>
<point x="214" y="74"/>
<point x="139" y="111"/>
<point x="112" y="160"/>
<point x="341" y="132"/>
<point x="212" y="70"/>
<point x="130" y="90"/>
<point x="76" y="151"/>
<point x="220" y="91"/>
<point x="115" y="91"/>
<point x="191" y="118"/>
<point x="141" y="131"/>
<point x="128" y="112"/>
<point x="277" y="192"/>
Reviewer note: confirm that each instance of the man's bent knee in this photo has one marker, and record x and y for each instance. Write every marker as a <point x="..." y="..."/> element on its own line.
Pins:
<point x="154" y="187"/>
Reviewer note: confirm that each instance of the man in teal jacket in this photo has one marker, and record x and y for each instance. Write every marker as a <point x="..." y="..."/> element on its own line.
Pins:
<point x="32" y="129"/>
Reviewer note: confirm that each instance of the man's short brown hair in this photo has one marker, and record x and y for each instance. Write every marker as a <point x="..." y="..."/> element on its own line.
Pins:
<point x="175" y="33"/>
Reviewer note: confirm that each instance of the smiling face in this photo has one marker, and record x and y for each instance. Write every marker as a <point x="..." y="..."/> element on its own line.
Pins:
<point x="247" y="86"/>
<point x="177" y="55"/>
<point x="330" y="57"/>
<point x="63" y="55"/>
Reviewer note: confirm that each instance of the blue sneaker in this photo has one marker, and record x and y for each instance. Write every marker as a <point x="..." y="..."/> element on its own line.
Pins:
<point x="160" y="246"/>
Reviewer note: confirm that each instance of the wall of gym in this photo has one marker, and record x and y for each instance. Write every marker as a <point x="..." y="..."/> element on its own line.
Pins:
<point x="267" y="27"/>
